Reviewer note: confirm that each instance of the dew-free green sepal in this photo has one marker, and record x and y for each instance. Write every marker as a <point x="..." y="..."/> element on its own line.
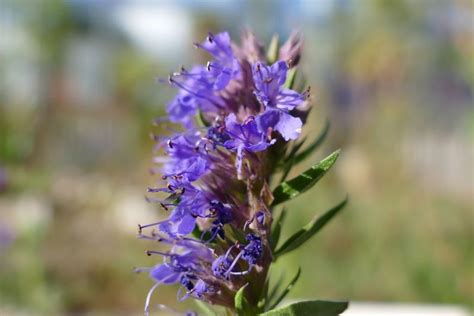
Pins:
<point x="290" y="189"/>
<point x="310" y="308"/>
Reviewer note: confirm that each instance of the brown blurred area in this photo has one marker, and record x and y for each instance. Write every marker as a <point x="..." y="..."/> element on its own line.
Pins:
<point x="78" y="93"/>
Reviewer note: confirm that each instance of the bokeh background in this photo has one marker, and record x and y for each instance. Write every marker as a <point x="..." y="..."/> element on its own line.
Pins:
<point x="78" y="93"/>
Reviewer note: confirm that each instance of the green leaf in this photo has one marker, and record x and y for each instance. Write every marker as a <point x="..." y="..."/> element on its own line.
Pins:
<point x="205" y="308"/>
<point x="290" y="78"/>
<point x="263" y="297"/>
<point x="272" y="52"/>
<point x="314" y="145"/>
<point x="276" y="231"/>
<point x="310" y="308"/>
<point x="290" y="189"/>
<point x="294" y="158"/>
<point x="287" y="289"/>
<point x="274" y="290"/>
<point x="309" y="230"/>
<point x="240" y="302"/>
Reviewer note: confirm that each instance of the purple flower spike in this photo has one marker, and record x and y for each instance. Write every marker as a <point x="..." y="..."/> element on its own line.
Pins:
<point x="216" y="225"/>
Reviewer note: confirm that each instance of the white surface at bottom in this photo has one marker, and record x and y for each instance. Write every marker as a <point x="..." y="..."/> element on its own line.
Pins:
<point x="398" y="309"/>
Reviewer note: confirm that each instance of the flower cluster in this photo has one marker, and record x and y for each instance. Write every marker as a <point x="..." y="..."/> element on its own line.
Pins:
<point x="237" y="114"/>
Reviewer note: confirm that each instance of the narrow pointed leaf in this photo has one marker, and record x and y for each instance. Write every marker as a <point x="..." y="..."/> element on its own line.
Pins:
<point x="290" y="78"/>
<point x="309" y="230"/>
<point x="290" y="189"/>
<point x="262" y="302"/>
<point x="314" y="145"/>
<point x="272" y="294"/>
<point x="240" y="302"/>
<point x="275" y="236"/>
<point x="287" y="289"/>
<point x="310" y="308"/>
<point x="294" y="157"/>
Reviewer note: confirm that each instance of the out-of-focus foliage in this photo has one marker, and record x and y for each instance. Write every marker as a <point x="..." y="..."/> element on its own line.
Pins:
<point x="78" y="92"/>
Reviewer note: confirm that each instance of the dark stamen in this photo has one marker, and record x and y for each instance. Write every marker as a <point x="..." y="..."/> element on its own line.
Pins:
<point x="210" y="38"/>
<point x="153" y="252"/>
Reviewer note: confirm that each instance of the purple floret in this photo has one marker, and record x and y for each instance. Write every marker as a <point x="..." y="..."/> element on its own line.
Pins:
<point x="269" y="81"/>
<point x="224" y="67"/>
<point x="250" y="135"/>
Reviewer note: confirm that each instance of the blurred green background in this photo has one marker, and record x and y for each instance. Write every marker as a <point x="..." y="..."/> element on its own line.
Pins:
<point x="78" y="93"/>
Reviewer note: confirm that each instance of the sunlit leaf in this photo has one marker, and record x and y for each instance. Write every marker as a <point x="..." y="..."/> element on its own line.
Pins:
<point x="295" y="157"/>
<point x="290" y="189"/>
